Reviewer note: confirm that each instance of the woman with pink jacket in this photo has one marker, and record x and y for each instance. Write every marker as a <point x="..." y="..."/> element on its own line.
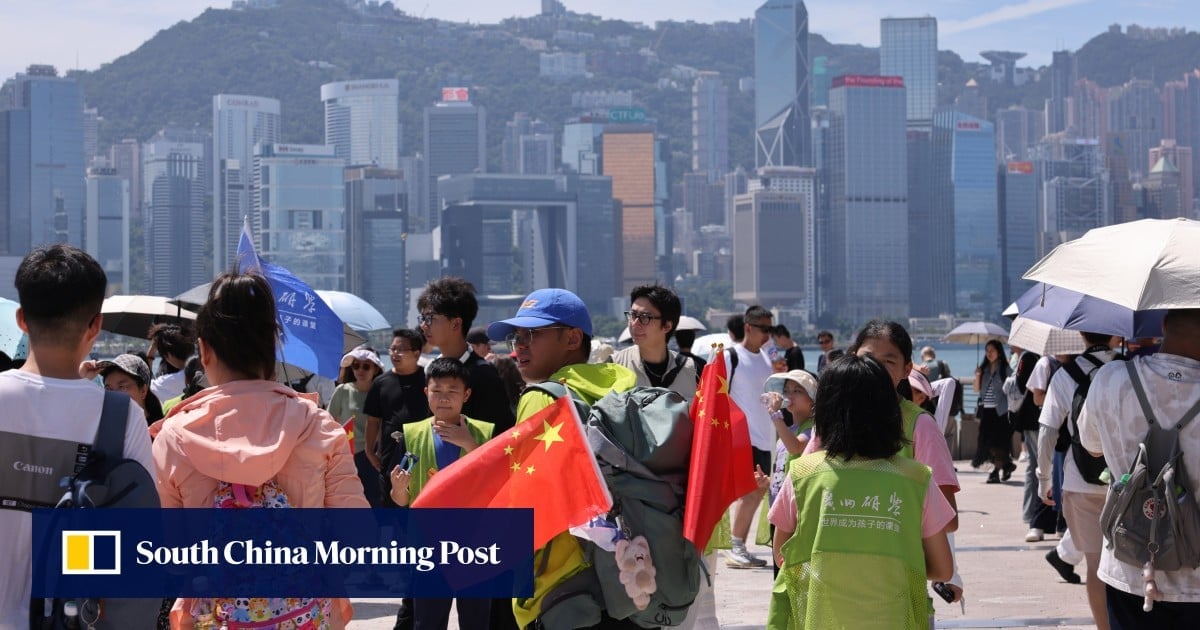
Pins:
<point x="248" y="430"/>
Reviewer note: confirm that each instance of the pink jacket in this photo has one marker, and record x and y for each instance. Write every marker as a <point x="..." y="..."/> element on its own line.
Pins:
<point x="248" y="432"/>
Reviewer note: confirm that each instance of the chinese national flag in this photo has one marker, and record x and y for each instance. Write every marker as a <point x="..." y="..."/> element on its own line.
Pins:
<point x="349" y="427"/>
<point x="543" y="463"/>
<point x="722" y="464"/>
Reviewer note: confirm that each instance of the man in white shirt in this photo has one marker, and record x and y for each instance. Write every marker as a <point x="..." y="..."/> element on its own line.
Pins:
<point x="745" y="388"/>
<point x="1113" y="423"/>
<point x="1082" y="501"/>
<point x="49" y="411"/>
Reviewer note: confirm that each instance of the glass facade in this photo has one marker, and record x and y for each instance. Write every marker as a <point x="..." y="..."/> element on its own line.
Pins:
<point x="362" y="121"/>
<point x="377" y="220"/>
<point x="710" y="126"/>
<point x="781" y="74"/>
<point x="299" y="197"/>
<point x="581" y="147"/>
<point x="239" y="124"/>
<point x="107" y="236"/>
<point x="173" y="201"/>
<point x="1018" y="217"/>
<point x="455" y="144"/>
<point x="908" y="49"/>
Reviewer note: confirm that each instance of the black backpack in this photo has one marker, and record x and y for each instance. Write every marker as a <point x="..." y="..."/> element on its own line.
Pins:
<point x="1089" y="466"/>
<point x="107" y="479"/>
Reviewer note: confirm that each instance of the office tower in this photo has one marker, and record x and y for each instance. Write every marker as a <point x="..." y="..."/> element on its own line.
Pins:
<point x="773" y="239"/>
<point x="964" y="164"/>
<point x="1120" y="188"/>
<point x="362" y="121"/>
<point x="868" y="198"/>
<point x="126" y="157"/>
<point x="91" y="134"/>
<point x="1090" y="109"/>
<point x="455" y="143"/>
<point x="239" y="124"/>
<point x="822" y="76"/>
<point x="1076" y="191"/>
<point x="736" y="183"/>
<point x="1136" y="109"/>
<point x="1063" y="75"/>
<point x="629" y="159"/>
<point x="930" y="233"/>
<point x="908" y="49"/>
<point x="300" y="200"/>
<point x="1161" y="194"/>
<point x="781" y="84"/>
<point x="823" y="217"/>
<point x="704" y="200"/>
<point x="1018" y="205"/>
<point x="107" y="238"/>
<point x="173" y="196"/>
<point x="528" y="146"/>
<point x="1180" y="158"/>
<point x="566" y="223"/>
<point x="1017" y="130"/>
<point x="710" y="126"/>
<point x="41" y="160"/>
<point x="376" y="230"/>
<point x="581" y="146"/>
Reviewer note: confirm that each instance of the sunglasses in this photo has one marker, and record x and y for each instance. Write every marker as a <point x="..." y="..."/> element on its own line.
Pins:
<point x="362" y="366"/>
<point x="761" y="327"/>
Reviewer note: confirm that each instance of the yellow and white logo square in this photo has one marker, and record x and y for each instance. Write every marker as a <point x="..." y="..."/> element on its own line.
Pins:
<point x="91" y="552"/>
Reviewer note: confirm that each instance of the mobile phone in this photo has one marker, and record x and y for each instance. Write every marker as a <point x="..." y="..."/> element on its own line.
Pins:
<point x="407" y="462"/>
<point x="943" y="591"/>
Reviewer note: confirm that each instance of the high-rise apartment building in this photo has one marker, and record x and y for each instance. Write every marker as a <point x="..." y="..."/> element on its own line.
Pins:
<point x="376" y="231"/>
<point x="1136" y="109"/>
<point x="1063" y="75"/>
<point x="868" y="198"/>
<point x="1091" y="109"/>
<point x="239" y="124"/>
<point x="773" y="239"/>
<point x="107" y="238"/>
<point x="41" y="160"/>
<point x="300" y="201"/>
<point x="362" y="121"/>
<point x="908" y="49"/>
<point x="1018" y="205"/>
<point x="781" y="84"/>
<point x="710" y="126"/>
<point x="1183" y="116"/>
<point x="173" y="196"/>
<point x="964" y="164"/>
<point x="455" y="144"/>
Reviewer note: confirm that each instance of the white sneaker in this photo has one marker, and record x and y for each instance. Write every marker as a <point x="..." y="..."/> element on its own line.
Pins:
<point x="1034" y="535"/>
<point x="741" y="558"/>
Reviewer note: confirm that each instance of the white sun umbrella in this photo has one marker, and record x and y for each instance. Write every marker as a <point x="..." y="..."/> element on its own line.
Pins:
<point x="976" y="333"/>
<point x="703" y="347"/>
<point x="1044" y="339"/>
<point x="133" y="315"/>
<point x="1141" y="265"/>
<point x="685" y="323"/>
<point x="354" y="311"/>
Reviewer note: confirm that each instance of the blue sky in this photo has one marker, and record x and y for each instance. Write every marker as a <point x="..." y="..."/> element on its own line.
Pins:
<point x="87" y="33"/>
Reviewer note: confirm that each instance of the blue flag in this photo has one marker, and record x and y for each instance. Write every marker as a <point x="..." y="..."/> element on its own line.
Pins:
<point x="312" y="332"/>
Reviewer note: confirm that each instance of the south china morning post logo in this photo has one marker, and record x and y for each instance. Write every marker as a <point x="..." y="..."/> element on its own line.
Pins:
<point x="91" y="552"/>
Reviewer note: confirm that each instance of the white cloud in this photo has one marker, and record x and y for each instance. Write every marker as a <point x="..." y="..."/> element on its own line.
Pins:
<point x="1005" y="14"/>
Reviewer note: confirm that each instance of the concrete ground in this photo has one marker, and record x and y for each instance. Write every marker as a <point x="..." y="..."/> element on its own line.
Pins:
<point x="1007" y="581"/>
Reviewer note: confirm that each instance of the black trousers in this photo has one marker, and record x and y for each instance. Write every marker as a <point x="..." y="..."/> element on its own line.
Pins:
<point x="434" y="614"/>
<point x="1125" y="612"/>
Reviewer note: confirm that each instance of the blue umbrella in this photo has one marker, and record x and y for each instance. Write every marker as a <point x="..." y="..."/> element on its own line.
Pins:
<point x="1072" y="310"/>
<point x="13" y="341"/>
<point x="312" y="333"/>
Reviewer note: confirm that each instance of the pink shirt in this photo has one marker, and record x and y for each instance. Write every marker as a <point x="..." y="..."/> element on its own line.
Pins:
<point x="929" y="448"/>
<point x="936" y="512"/>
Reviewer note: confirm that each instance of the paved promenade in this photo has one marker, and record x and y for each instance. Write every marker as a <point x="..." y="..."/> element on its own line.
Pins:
<point x="1008" y="583"/>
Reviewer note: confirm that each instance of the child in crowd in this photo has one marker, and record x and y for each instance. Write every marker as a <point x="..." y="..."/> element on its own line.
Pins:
<point x="795" y="391"/>
<point x="430" y="446"/>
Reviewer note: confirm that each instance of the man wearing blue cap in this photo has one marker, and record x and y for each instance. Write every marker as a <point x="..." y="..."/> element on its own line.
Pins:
<point x="551" y="339"/>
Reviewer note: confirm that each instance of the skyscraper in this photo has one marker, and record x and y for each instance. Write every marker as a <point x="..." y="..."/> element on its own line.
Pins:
<point x="455" y="144"/>
<point x="1076" y="191"/>
<point x="376" y="230"/>
<point x="1181" y="158"/>
<point x="107" y="222"/>
<point x="629" y="159"/>
<point x="773" y="239"/>
<point x="964" y="159"/>
<point x="362" y="121"/>
<point x="868" y="198"/>
<point x="1017" y="130"/>
<point x="908" y="49"/>
<point x="239" y="123"/>
<point x="528" y="146"/>
<point x="1018" y="205"/>
<point x="781" y="84"/>
<point x="581" y="145"/>
<point x="173" y="164"/>
<point x="1063" y="75"/>
<point x="41" y="157"/>
<point x="710" y="126"/>
<point x="1136" y="108"/>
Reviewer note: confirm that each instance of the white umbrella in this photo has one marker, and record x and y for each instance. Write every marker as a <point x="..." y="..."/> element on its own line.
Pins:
<point x="133" y="315"/>
<point x="1012" y="311"/>
<point x="685" y="323"/>
<point x="976" y="333"/>
<point x="703" y="347"/>
<point x="356" y="312"/>
<point x="1141" y="265"/>
<point x="1044" y="339"/>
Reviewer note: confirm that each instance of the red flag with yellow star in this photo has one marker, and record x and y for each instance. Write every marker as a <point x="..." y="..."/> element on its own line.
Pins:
<point x="722" y="465"/>
<point x="543" y="463"/>
<point x="349" y="427"/>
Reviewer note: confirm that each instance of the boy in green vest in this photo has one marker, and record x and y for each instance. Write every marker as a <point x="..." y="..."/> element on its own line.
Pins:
<point x="431" y="445"/>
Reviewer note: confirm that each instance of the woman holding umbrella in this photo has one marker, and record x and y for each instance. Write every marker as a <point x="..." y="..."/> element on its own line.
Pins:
<point x="995" y="434"/>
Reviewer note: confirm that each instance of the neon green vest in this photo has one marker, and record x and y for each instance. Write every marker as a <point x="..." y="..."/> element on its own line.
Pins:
<point x="908" y="413"/>
<point x="418" y="439"/>
<point x="856" y="519"/>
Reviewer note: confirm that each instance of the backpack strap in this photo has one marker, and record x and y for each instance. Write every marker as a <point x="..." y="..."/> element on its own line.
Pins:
<point x="110" y="436"/>
<point x="1076" y="373"/>
<point x="669" y="377"/>
<point x="733" y="360"/>
<point x="1140" y="390"/>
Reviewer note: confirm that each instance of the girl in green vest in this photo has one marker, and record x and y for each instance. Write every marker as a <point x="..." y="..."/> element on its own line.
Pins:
<point x="857" y="508"/>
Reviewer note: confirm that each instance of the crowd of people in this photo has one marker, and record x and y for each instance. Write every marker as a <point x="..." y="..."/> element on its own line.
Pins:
<point x="851" y="458"/>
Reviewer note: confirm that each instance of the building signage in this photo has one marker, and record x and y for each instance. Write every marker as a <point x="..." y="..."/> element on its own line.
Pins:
<point x="370" y="85"/>
<point x="626" y="115"/>
<point x="862" y="80"/>
<point x="456" y="95"/>
<point x="1020" y="168"/>
<point x="967" y="125"/>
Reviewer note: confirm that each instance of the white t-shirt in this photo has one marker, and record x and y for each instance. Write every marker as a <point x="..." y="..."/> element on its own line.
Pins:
<point x="168" y="386"/>
<point x="48" y="408"/>
<point x="746" y="389"/>
<point x="1112" y="422"/>
<point x="1039" y="378"/>
<point x="1055" y="412"/>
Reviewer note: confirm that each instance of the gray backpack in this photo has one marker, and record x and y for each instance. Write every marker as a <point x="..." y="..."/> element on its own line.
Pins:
<point x="642" y="439"/>
<point x="1150" y="514"/>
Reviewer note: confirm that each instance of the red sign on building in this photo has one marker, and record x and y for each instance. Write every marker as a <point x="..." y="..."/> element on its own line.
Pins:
<point x="452" y="94"/>
<point x="863" y="80"/>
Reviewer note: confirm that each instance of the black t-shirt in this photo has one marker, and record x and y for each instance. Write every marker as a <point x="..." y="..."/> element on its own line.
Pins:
<point x="795" y="358"/>
<point x="396" y="400"/>
<point x="489" y="400"/>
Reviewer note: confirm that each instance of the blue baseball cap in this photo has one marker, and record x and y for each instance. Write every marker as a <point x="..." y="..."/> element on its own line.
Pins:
<point x="545" y="307"/>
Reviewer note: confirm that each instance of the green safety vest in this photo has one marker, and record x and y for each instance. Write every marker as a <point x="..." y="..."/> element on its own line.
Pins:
<point x="908" y="414"/>
<point x="418" y="439"/>
<point x="856" y="560"/>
